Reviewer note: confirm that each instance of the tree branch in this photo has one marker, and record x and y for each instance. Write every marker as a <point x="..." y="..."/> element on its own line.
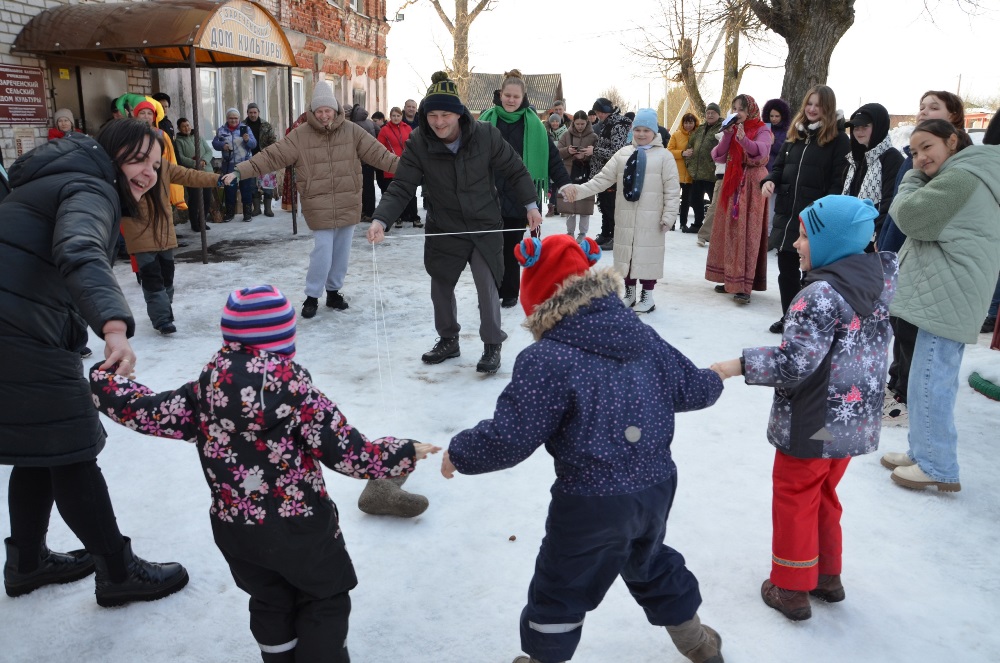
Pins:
<point x="444" y="17"/>
<point x="484" y="5"/>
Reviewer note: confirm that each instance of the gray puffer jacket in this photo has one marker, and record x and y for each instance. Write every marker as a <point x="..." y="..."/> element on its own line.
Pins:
<point x="829" y="371"/>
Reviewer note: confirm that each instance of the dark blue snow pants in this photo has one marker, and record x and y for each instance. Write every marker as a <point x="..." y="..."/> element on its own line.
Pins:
<point x="589" y="542"/>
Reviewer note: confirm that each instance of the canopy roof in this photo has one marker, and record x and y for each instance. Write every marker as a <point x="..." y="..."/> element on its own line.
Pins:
<point x="225" y="32"/>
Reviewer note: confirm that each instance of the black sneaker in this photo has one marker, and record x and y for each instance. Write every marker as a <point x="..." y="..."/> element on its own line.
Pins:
<point x="778" y="327"/>
<point x="490" y="361"/>
<point x="445" y="348"/>
<point x="85" y="352"/>
<point x="988" y="325"/>
<point x="417" y="223"/>
<point x="604" y="240"/>
<point x="335" y="300"/>
<point x="167" y="328"/>
<point x="247" y="216"/>
<point x="508" y="302"/>
<point x="309" y="307"/>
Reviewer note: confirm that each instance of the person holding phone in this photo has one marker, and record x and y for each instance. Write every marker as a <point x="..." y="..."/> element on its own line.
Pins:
<point x="236" y="142"/>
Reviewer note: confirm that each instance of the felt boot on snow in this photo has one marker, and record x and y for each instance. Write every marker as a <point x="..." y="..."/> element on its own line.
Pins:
<point x="267" y="204"/>
<point x="123" y="577"/>
<point x="386" y="497"/>
<point x="257" y="196"/>
<point x="698" y="643"/>
<point x="26" y="571"/>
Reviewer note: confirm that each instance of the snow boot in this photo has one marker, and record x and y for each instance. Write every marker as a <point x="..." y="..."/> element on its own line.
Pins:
<point x="490" y="361"/>
<point x="777" y="327"/>
<point x="629" y="298"/>
<point x="790" y="603"/>
<point x="911" y="476"/>
<point x="894" y="459"/>
<point x="335" y="300"/>
<point x="645" y="303"/>
<point x="417" y="223"/>
<point x="49" y="568"/>
<point x="527" y="659"/>
<point x="698" y="643"/>
<point x="386" y="497"/>
<point x="309" y="307"/>
<point x="446" y="347"/>
<point x="829" y="589"/>
<point x="508" y="302"/>
<point x="256" y="203"/>
<point x="230" y="214"/>
<point x="123" y="577"/>
<point x="267" y="204"/>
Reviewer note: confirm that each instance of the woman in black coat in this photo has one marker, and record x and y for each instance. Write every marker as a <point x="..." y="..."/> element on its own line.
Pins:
<point x="511" y="114"/>
<point x="58" y="230"/>
<point x="810" y="165"/>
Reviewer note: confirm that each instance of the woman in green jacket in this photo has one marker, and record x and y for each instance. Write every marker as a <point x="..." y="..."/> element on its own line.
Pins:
<point x="197" y="199"/>
<point x="949" y="208"/>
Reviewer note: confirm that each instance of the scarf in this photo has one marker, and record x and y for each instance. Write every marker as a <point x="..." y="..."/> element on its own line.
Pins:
<point x="635" y="173"/>
<point x="734" y="164"/>
<point x="871" y="185"/>
<point x="535" y="151"/>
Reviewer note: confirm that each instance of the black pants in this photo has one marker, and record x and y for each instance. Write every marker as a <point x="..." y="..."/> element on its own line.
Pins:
<point x="81" y="495"/>
<point x="606" y="201"/>
<point x="511" y="284"/>
<point x="198" y="201"/>
<point x="789" y="278"/>
<point x="685" y="203"/>
<point x="903" y="340"/>
<point x="367" y="190"/>
<point x="701" y="189"/>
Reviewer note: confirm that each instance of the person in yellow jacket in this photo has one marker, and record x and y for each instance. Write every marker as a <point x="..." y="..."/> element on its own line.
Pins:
<point x="151" y="111"/>
<point x="678" y="146"/>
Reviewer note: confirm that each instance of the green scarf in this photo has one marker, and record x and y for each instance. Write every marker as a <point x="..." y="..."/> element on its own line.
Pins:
<point x="535" y="151"/>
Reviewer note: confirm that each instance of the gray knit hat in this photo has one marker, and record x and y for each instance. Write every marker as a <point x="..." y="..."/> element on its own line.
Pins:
<point x="323" y="96"/>
<point x="713" y="106"/>
<point x="63" y="112"/>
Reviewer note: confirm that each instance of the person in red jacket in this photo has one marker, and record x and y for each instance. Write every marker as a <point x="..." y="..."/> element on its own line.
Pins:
<point x="64" y="124"/>
<point x="394" y="136"/>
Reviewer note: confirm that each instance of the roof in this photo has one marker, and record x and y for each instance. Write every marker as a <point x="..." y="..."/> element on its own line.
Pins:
<point x="543" y="89"/>
<point x="224" y="32"/>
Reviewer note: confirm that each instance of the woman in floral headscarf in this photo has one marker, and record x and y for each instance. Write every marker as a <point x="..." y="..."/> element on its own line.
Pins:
<point x="737" y="253"/>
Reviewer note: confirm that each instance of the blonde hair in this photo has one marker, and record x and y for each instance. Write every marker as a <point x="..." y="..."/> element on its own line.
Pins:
<point x="513" y="77"/>
<point x="828" y="104"/>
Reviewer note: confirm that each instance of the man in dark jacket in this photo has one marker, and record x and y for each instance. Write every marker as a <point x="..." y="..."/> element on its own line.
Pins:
<point x="458" y="159"/>
<point x="612" y="137"/>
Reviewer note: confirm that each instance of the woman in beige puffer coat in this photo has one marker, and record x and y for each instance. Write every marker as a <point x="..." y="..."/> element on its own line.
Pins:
<point x="639" y="224"/>
<point x="326" y="152"/>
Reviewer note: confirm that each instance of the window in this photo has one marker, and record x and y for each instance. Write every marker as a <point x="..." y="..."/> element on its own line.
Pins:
<point x="298" y="97"/>
<point x="359" y="97"/>
<point x="260" y="92"/>
<point x="210" y="102"/>
<point x="355" y="5"/>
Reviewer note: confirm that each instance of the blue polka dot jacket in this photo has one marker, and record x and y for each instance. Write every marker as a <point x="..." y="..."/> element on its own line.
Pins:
<point x="598" y="389"/>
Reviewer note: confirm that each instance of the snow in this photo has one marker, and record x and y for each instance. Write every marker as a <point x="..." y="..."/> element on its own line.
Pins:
<point x="921" y="569"/>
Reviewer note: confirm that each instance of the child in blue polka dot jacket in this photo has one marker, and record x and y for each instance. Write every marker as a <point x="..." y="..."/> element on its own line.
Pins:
<point x="599" y="389"/>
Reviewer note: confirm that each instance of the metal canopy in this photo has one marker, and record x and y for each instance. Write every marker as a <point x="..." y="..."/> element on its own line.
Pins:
<point x="222" y="32"/>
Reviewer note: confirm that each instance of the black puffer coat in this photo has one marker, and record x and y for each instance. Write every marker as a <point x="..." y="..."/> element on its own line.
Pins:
<point x="58" y="230"/>
<point x="510" y="207"/>
<point x="460" y="189"/>
<point x="804" y="172"/>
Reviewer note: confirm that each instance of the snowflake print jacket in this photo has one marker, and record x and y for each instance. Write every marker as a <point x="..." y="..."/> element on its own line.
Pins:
<point x="829" y="371"/>
<point x="261" y="426"/>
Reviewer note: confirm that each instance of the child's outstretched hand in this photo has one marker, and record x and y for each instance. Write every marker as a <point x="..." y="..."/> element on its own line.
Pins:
<point x="422" y="450"/>
<point x="727" y="369"/>
<point x="447" y="468"/>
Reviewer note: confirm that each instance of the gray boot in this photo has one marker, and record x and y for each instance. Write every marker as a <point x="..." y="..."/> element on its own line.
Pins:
<point x="386" y="497"/>
<point x="699" y="643"/>
<point x="257" y="197"/>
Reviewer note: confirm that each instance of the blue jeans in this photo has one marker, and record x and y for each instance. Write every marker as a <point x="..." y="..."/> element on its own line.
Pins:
<point x="931" y="397"/>
<point x="995" y="304"/>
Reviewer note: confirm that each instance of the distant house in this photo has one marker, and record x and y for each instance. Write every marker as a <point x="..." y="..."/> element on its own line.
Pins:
<point x="978" y="118"/>
<point x="543" y="89"/>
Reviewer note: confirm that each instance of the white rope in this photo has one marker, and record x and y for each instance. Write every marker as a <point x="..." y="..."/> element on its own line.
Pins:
<point x="468" y="232"/>
<point x="379" y="307"/>
<point x="375" y="299"/>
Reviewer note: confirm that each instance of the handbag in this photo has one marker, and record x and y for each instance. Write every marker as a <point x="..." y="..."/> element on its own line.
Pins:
<point x="580" y="172"/>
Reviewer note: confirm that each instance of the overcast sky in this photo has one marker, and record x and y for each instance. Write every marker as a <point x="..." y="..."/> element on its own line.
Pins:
<point x="889" y="55"/>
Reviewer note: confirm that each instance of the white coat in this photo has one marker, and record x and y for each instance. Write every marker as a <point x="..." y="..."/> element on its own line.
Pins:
<point x="640" y="225"/>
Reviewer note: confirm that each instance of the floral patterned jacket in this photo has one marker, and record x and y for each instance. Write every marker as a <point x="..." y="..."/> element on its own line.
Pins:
<point x="829" y="371"/>
<point x="261" y="426"/>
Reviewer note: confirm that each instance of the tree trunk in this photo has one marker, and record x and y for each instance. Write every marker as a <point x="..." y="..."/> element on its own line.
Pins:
<point x="732" y="73"/>
<point x="460" y="56"/>
<point x="685" y="57"/>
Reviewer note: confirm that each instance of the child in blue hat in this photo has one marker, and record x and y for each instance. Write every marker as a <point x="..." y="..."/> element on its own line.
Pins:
<point x="829" y="378"/>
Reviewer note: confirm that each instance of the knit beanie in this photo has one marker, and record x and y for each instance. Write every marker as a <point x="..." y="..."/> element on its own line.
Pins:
<point x="603" y="105"/>
<point x="251" y="106"/>
<point x="713" y="106"/>
<point x="442" y="95"/>
<point x="837" y="227"/>
<point x="323" y="96"/>
<point x="144" y="105"/>
<point x="261" y="318"/>
<point x="232" y="111"/>
<point x="63" y="112"/>
<point x="549" y="262"/>
<point x="646" y="117"/>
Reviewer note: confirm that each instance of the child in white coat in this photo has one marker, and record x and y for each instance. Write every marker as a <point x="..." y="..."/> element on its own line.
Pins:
<point x="647" y="199"/>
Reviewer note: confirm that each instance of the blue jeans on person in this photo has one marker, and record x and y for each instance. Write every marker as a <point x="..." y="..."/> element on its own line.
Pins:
<point x="995" y="304"/>
<point x="246" y="187"/>
<point x="931" y="396"/>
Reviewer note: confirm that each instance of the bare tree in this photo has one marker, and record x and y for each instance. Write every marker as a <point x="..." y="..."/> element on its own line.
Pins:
<point x="458" y="27"/>
<point x="613" y="95"/>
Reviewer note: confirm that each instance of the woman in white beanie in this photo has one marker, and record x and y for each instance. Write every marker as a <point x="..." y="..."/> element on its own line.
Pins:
<point x="64" y="124"/>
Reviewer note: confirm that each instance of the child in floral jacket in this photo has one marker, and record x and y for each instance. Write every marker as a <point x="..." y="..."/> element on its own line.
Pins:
<point x="829" y="378"/>
<point x="262" y="428"/>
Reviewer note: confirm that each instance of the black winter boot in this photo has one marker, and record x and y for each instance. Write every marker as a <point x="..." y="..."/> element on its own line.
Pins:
<point x="230" y="214"/>
<point x="335" y="300"/>
<point x="51" y="568"/>
<point x="309" y="307"/>
<point x="267" y="204"/>
<point x="256" y="203"/>
<point x="141" y="580"/>
<point x="490" y="361"/>
<point x="445" y="348"/>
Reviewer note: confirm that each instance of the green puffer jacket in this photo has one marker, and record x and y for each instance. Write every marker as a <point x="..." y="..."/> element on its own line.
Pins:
<point x="949" y="263"/>
<point x="700" y="164"/>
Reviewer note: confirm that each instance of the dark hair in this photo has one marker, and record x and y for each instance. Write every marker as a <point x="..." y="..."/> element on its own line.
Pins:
<point x="689" y="116"/>
<point x="992" y="135"/>
<point x="944" y="130"/>
<point x="182" y="119"/>
<point x="122" y="140"/>
<point x="952" y="102"/>
<point x="378" y="115"/>
<point x="162" y="96"/>
<point x="581" y="115"/>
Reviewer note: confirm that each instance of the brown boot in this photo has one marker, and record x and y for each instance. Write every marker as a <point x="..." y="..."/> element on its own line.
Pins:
<point x="386" y="497"/>
<point x="792" y="604"/>
<point x="698" y="643"/>
<point x="552" y="210"/>
<point x="829" y="589"/>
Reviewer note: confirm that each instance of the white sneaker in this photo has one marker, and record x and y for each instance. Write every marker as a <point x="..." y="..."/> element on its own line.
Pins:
<point x="894" y="459"/>
<point x="894" y="412"/>
<point x="645" y="303"/>
<point x="629" y="298"/>
<point x="913" y="477"/>
<point x="701" y="242"/>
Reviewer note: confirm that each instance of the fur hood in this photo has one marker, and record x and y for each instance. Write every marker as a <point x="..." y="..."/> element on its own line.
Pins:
<point x="574" y="293"/>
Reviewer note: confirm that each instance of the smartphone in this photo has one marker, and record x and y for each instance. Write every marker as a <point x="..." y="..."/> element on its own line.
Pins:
<point x="243" y="130"/>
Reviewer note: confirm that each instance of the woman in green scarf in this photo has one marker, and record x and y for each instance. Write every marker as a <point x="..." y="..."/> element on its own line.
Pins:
<point x="525" y="132"/>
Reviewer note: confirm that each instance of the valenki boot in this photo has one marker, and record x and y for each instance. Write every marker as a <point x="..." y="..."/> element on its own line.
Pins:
<point x="386" y="497"/>
<point x="267" y="204"/>
<point x="123" y="577"/>
<point x="49" y="568"/>
<point x="698" y="643"/>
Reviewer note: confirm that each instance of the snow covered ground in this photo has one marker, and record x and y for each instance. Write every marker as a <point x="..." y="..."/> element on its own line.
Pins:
<point x="921" y="569"/>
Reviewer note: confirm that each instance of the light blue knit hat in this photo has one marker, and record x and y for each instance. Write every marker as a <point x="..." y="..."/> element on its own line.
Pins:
<point x="837" y="227"/>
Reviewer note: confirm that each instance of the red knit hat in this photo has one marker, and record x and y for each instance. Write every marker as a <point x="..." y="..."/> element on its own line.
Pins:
<point x="144" y="105"/>
<point x="549" y="262"/>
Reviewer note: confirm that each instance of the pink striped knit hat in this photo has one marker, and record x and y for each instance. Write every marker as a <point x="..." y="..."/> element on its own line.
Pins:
<point x="260" y="317"/>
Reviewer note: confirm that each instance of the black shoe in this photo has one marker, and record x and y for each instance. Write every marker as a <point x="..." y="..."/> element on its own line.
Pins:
<point x="490" y="361"/>
<point x="508" y="302"/>
<point x="247" y="216"/>
<point x="778" y="327"/>
<point x="604" y="239"/>
<point x="144" y="581"/>
<point x="309" y="307"/>
<point x="741" y="298"/>
<point x="445" y="348"/>
<point x="53" y="569"/>
<point x="166" y="328"/>
<point x="721" y="289"/>
<point x="690" y="229"/>
<point x="335" y="300"/>
<point x="399" y="223"/>
<point x="85" y="352"/>
<point x="417" y="223"/>
<point x="988" y="326"/>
